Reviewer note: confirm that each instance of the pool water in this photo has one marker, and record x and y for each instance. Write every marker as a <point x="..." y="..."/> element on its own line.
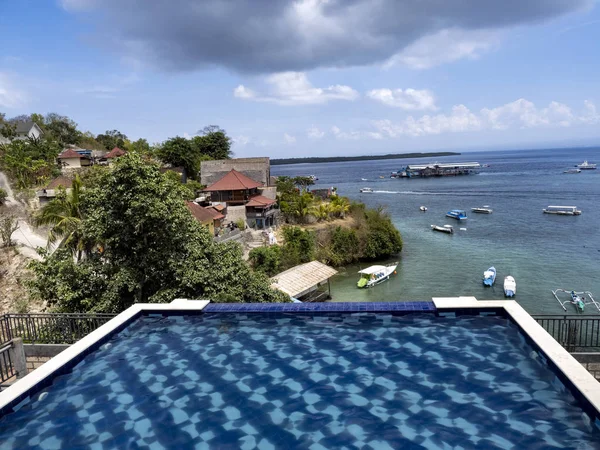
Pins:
<point x="372" y="381"/>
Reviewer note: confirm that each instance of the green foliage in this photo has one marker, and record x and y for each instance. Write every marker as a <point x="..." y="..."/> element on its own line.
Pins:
<point x="192" y="188"/>
<point x="3" y="196"/>
<point x="111" y="139"/>
<point x="299" y="246"/>
<point x="266" y="259"/>
<point x="8" y="225"/>
<point x="383" y="239"/>
<point x="179" y="152"/>
<point x="140" y="146"/>
<point x="296" y="207"/>
<point x="213" y="142"/>
<point x="303" y="182"/>
<point x="150" y="249"/>
<point x="241" y="224"/>
<point x="61" y="129"/>
<point x="345" y="246"/>
<point x="29" y="162"/>
<point x="285" y="186"/>
<point x="64" y="215"/>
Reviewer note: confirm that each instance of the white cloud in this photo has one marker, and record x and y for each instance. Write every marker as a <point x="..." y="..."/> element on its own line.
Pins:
<point x="315" y="133"/>
<point x="446" y="46"/>
<point x="294" y="88"/>
<point x="289" y="139"/>
<point x="518" y="114"/>
<point x="346" y="135"/>
<point x="408" y="99"/>
<point x="10" y="95"/>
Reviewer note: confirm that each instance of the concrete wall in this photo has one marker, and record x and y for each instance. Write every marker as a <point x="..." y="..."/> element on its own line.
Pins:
<point x="269" y="192"/>
<point x="235" y="213"/>
<point x="70" y="163"/>
<point x="259" y="169"/>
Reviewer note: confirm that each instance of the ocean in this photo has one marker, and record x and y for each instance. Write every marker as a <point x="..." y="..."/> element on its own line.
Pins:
<point x="542" y="252"/>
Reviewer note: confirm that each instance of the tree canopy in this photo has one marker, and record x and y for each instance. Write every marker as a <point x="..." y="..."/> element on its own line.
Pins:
<point x="149" y="248"/>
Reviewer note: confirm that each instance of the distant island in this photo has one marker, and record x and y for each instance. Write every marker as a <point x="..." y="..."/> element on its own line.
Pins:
<point x="326" y="159"/>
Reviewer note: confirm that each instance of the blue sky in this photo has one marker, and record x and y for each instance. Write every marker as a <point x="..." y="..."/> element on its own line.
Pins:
<point x="312" y="77"/>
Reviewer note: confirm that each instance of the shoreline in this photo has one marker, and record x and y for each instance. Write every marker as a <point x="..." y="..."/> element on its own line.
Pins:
<point x="326" y="159"/>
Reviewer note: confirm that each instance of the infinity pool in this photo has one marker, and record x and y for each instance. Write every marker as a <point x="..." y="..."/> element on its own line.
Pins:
<point x="270" y="381"/>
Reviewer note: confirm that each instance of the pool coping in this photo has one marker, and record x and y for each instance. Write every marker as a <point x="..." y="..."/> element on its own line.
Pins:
<point x="21" y="392"/>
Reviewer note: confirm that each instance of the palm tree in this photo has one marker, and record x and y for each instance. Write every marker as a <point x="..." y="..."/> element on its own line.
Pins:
<point x="340" y="206"/>
<point x="63" y="214"/>
<point x="321" y="211"/>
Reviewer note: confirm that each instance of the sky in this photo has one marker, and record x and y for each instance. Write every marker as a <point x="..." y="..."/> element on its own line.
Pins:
<point x="312" y="77"/>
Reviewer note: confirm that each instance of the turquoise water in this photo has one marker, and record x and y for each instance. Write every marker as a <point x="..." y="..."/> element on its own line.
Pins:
<point x="294" y="381"/>
<point x="542" y="252"/>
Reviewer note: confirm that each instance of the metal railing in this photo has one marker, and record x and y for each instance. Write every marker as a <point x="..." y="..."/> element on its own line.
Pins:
<point x="7" y="367"/>
<point x="49" y="328"/>
<point x="574" y="333"/>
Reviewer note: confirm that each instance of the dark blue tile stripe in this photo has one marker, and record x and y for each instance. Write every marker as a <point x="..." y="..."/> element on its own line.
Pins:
<point x="321" y="307"/>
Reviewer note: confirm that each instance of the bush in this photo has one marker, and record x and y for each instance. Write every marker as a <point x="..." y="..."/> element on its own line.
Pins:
<point x="299" y="246"/>
<point x="383" y="239"/>
<point x="345" y="246"/>
<point x="3" y="196"/>
<point x="266" y="259"/>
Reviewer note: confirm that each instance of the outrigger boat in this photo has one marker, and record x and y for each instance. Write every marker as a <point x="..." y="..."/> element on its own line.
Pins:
<point x="375" y="274"/>
<point x="576" y="298"/>
<point x="445" y="229"/>
<point x="489" y="276"/>
<point x="510" y="286"/>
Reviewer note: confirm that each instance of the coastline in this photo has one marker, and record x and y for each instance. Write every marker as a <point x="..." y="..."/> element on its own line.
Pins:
<point x="319" y="160"/>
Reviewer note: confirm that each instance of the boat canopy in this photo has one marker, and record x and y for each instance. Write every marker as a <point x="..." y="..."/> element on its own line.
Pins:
<point x="302" y="279"/>
<point x="562" y="208"/>
<point x="373" y="269"/>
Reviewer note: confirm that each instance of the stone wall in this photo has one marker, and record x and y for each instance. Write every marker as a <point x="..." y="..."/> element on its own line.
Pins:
<point x="259" y="169"/>
<point x="235" y="213"/>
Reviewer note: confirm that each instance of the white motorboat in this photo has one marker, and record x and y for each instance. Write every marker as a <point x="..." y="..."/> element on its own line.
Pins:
<point x="366" y="190"/>
<point x="572" y="171"/>
<point x="375" y="274"/>
<point x="423" y="208"/>
<point x="363" y="179"/>
<point x="510" y="286"/>
<point x="445" y="229"/>
<point x="562" y="210"/>
<point x="482" y="210"/>
<point x="586" y="166"/>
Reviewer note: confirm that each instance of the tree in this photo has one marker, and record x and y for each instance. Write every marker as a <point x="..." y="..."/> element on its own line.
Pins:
<point x="111" y="139"/>
<point x="179" y="152"/>
<point x="304" y="182"/>
<point x="297" y="206"/>
<point x="8" y="225"/>
<point x="29" y="162"/>
<point x="383" y="239"/>
<point x="266" y="259"/>
<point x="299" y="246"/>
<point x="149" y="249"/>
<point x="61" y="129"/>
<point x="320" y="211"/>
<point x="340" y="206"/>
<point x="140" y="146"/>
<point x="213" y="142"/>
<point x="64" y="215"/>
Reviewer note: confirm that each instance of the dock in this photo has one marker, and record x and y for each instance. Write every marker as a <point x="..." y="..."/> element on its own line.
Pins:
<point x="437" y="170"/>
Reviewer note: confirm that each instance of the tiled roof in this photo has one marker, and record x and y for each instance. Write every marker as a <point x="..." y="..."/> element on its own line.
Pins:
<point x="260" y="201"/>
<point x="233" y="181"/>
<point x="218" y="207"/>
<point x="69" y="153"/>
<point x="214" y="213"/>
<point x="115" y="152"/>
<point x="201" y="214"/>
<point x="60" y="181"/>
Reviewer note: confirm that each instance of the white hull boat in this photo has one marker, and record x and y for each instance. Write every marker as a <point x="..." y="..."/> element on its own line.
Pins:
<point x="445" y="229"/>
<point x="422" y="208"/>
<point x="562" y="210"/>
<point x="483" y="210"/>
<point x="586" y="166"/>
<point x="375" y="274"/>
<point x="510" y="287"/>
<point x="366" y="190"/>
<point x="489" y="276"/>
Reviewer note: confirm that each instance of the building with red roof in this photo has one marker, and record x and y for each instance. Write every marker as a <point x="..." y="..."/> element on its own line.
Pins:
<point x="70" y="159"/>
<point x="234" y="188"/>
<point x="49" y="192"/>
<point x="208" y="216"/>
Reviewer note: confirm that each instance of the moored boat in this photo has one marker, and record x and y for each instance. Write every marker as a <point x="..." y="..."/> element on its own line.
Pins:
<point x="482" y="210"/>
<point x="586" y="166"/>
<point x="445" y="229"/>
<point x="562" y="210"/>
<point x="489" y="276"/>
<point x="375" y="274"/>
<point x="366" y="190"/>
<point x="510" y="286"/>
<point x="457" y="214"/>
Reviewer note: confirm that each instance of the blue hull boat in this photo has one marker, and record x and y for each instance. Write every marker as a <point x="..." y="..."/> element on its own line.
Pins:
<point x="489" y="276"/>
<point x="457" y="214"/>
